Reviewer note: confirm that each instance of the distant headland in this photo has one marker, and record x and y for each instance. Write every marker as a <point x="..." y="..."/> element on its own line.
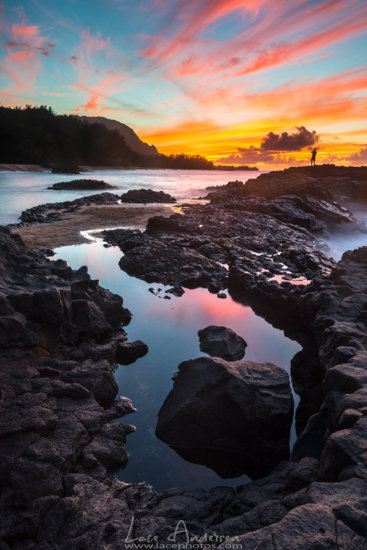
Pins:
<point x="36" y="136"/>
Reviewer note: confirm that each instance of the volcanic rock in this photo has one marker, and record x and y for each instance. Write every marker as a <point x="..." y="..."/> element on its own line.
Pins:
<point x="56" y="495"/>
<point x="233" y="417"/>
<point x="81" y="185"/>
<point x="322" y="182"/>
<point x="50" y="212"/>
<point x="145" y="196"/>
<point x="129" y="352"/>
<point x="222" y="342"/>
<point x="59" y="332"/>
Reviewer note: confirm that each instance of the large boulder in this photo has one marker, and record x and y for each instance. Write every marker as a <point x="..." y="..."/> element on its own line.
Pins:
<point x="233" y="417"/>
<point x="222" y="342"/>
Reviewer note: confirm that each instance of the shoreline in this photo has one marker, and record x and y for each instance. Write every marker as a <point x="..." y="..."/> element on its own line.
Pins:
<point x="66" y="231"/>
<point x="9" y="167"/>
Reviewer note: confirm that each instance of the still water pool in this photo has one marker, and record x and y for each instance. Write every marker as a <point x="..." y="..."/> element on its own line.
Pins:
<point x="169" y="328"/>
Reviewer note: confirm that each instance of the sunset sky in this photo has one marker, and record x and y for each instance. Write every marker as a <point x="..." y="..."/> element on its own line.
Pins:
<point x="238" y="81"/>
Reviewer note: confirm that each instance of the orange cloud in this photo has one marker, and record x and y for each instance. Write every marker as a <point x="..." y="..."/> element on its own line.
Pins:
<point x="92" y="104"/>
<point x="26" y="33"/>
<point x="18" y="56"/>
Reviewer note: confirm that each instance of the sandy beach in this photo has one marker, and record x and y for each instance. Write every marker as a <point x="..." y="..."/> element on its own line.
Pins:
<point x="67" y="230"/>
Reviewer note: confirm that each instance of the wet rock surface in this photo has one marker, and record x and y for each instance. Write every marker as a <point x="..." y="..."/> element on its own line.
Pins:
<point x="129" y="352"/>
<point x="222" y="342"/>
<point x="145" y="196"/>
<point x="82" y="185"/>
<point x="233" y="417"/>
<point x="59" y="333"/>
<point x="50" y="212"/>
<point x="209" y="245"/>
<point x="58" y="493"/>
<point x="328" y="181"/>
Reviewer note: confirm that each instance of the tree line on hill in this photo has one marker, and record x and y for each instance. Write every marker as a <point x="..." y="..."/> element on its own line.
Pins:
<point x="36" y="135"/>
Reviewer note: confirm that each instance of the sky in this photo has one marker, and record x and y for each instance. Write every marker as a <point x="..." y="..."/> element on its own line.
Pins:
<point x="255" y="82"/>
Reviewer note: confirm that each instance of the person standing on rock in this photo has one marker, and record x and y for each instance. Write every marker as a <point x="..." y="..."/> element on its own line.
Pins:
<point x="313" y="156"/>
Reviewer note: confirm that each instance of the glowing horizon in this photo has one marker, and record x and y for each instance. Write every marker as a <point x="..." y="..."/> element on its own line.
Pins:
<point x="243" y="82"/>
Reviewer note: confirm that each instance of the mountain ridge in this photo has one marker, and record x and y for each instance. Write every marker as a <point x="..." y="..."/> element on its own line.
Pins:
<point x="132" y="139"/>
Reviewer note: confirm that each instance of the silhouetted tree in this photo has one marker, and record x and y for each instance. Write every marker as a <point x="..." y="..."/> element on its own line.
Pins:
<point x="36" y="135"/>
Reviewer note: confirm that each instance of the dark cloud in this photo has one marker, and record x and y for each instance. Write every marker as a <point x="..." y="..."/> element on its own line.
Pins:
<point x="229" y="63"/>
<point x="44" y="50"/>
<point x="255" y="155"/>
<point x="360" y="157"/>
<point x="13" y="44"/>
<point x="289" y="142"/>
<point x="72" y="58"/>
<point x="270" y="147"/>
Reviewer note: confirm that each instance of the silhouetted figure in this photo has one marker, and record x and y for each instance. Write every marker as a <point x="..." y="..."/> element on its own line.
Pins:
<point x="313" y="157"/>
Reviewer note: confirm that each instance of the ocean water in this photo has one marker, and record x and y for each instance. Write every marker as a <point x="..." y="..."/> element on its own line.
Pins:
<point x="343" y="239"/>
<point x="22" y="190"/>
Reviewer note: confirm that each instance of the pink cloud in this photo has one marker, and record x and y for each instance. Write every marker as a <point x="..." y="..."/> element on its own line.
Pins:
<point x="193" y="17"/>
<point x="90" y="44"/>
<point x="94" y="77"/>
<point x="19" y="56"/>
<point x="56" y="94"/>
<point x="290" y="51"/>
<point x="23" y="32"/>
<point x="22" y="61"/>
<point x="93" y="104"/>
<point x="278" y="33"/>
<point x="332" y="98"/>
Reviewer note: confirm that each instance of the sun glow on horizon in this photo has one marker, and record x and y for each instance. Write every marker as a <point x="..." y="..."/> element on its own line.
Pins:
<point x="207" y="78"/>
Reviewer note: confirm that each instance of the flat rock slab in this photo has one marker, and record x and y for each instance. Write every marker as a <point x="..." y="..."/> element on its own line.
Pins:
<point x="83" y="184"/>
<point x="233" y="417"/>
<point x="222" y="342"/>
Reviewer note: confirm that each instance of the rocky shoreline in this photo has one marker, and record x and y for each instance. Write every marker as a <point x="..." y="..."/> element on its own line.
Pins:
<point x="69" y="218"/>
<point x="59" y="491"/>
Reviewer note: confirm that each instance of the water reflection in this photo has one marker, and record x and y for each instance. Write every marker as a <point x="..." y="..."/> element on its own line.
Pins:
<point x="169" y="328"/>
